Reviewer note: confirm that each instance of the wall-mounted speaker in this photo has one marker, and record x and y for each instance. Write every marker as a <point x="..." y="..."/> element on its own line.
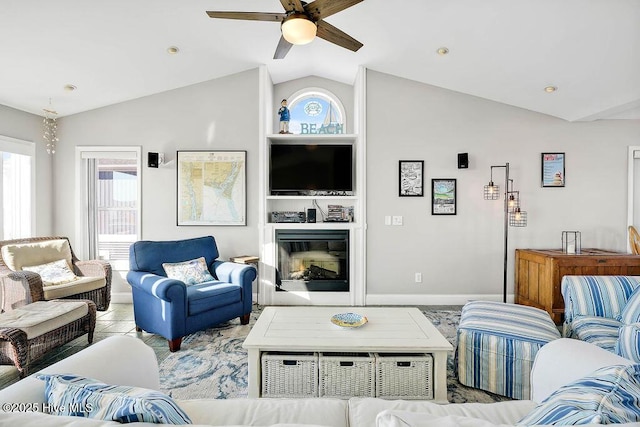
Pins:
<point x="311" y="215"/>
<point x="153" y="160"/>
<point x="463" y="160"/>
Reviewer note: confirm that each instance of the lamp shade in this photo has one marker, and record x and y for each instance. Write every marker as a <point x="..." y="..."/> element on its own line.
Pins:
<point x="298" y="29"/>
<point x="518" y="218"/>
<point x="491" y="191"/>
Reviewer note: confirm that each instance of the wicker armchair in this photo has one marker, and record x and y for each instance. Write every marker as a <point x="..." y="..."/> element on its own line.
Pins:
<point x="25" y="287"/>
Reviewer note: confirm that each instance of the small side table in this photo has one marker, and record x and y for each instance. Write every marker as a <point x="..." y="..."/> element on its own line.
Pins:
<point x="252" y="260"/>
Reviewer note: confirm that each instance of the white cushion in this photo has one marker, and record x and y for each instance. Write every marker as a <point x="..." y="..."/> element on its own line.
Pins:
<point x="422" y="419"/>
<point x="37" y="253"/>
<point x="38" y="419"/>
<point x="118" y="359"/>
<point x="267" y="411"/>
<point x="53" y="273"/>
<point x="363" y="410"/>
<point x="41" y="317"/>
<point x="82" y="284"/>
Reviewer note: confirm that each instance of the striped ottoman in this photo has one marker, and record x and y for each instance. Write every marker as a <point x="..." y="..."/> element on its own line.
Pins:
<point x="497" y="343"/>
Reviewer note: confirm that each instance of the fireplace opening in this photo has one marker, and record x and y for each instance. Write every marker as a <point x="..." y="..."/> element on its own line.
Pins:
<point x="312" y="260"/>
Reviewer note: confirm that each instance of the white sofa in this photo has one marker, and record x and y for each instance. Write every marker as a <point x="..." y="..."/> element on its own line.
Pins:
<point x="127" y="360"/>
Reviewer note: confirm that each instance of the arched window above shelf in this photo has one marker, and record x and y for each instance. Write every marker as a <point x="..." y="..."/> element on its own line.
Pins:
<point x="316" y="111"/>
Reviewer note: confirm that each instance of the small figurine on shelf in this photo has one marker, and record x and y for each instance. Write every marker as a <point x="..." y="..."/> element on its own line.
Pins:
<point x="283" y="112"/>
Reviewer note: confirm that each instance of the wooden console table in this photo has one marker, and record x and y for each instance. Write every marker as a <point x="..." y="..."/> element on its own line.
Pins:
<point x="538" y="273"/>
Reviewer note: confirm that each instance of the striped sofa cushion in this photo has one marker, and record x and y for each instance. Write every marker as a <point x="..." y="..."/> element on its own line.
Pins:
<point x="631" y="312"/>
<point x="600" y="331"/>
<point x="509" y="320"/>
<point x="601" y="296"/>
<point x="497" y="344"/>
<point x="628" y="343"/>
<point x="610" y="395"/>
<point x="78" y="396"/>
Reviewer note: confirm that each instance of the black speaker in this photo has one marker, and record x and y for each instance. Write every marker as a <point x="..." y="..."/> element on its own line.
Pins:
<point x="463" y="160"/>
<point x="153" y="160"/>
<point x="311" y="215"/>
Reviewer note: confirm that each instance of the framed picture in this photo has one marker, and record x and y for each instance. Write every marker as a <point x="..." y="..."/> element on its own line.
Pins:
<point x="411" y="178"/>
<point x="443" y="196"/>
<point x="212" y="187"/>
<point x="553" y="170"/>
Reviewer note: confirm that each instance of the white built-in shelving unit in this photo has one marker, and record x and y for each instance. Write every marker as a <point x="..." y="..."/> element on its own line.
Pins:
<point x="271" y="203"/>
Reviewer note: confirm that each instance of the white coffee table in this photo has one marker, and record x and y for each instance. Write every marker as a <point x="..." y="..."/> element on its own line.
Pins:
<point x="390" y="330"/>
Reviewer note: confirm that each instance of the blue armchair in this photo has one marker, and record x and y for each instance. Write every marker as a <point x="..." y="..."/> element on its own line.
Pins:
<point x="169" y="307"/>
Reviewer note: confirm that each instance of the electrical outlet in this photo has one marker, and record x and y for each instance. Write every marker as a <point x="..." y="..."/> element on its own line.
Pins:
<point x="387" y="220"/>
<point x="397" y="220"/>
<point x="418" y="277"/>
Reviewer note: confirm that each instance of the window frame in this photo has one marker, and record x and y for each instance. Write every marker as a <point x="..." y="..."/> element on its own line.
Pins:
<point x="87" y="152"/>
<point x="25" y="148"/>
<point x="301" y="94"/>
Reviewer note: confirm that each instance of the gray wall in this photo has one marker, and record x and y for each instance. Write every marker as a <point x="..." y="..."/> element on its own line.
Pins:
<point x="28" y="127"/>
<point x="216" y="115"/>
<point x="220" y="114"/>
<point x="459" y="256"/>
<point x="462" y="254"/>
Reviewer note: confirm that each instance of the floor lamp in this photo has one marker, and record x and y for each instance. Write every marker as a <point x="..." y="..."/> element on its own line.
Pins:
<point x="513" y="215"/>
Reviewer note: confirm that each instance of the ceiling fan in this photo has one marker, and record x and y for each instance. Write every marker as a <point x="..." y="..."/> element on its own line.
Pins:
<point x="301" y="23"/>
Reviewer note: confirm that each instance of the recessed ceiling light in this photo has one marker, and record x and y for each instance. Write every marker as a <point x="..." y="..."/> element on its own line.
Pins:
<point x="550" y="89"/>
<point x="443" y="51"/>
<point x="172" y="50"/>
<point x="70" y="87"/>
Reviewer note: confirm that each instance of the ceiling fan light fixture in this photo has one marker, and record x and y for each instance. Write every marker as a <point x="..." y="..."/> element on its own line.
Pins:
<point x="298" y="29"/>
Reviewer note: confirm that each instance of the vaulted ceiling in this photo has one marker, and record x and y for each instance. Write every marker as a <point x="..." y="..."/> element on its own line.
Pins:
<point x="503" y="50"/>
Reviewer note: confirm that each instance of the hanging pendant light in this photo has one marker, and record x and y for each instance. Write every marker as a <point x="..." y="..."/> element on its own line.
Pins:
<point x="50" y="128"/>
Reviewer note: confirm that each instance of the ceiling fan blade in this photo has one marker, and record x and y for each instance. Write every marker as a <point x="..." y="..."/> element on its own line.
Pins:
<point x="320" y="9"/>
<point x="332" y="34"/>
<point x="291" y="5"/>
<point x="282" y="49"/>
<point x="251" y="16"/>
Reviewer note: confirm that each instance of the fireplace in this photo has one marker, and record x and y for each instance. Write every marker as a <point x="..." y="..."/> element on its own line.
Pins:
<point x="312" y="260"/>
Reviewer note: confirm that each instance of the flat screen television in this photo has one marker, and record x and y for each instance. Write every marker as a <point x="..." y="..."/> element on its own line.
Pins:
<point x="302" y="169"/>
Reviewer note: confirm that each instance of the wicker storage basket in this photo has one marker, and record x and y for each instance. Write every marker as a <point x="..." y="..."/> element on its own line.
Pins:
<point x="289" y="374"/>
<point x="404" y="376"/>
<point x="345" y="375"/>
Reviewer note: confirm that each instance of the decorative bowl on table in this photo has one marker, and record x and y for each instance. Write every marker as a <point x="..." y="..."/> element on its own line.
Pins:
<point x="348" y="320"/>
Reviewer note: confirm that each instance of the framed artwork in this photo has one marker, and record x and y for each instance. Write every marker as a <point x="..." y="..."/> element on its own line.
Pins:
<point x="411" y="178"/>
<point x="443" y="196"/>
<point x="553" y="169"/>
<point x="212" y="187"/>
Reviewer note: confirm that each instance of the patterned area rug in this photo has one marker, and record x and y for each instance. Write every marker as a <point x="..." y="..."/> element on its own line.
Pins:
<point x="213" y="364"/>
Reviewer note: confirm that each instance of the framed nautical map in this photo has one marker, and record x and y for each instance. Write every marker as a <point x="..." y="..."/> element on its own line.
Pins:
<point x="212" y="188"/>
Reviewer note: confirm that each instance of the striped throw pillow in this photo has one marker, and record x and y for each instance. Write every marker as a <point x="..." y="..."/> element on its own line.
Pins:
<point x="610" y="395"/>
<point x="631" y="311"/>
<point x="78" y="396"/>
<point x="628" y="344"/>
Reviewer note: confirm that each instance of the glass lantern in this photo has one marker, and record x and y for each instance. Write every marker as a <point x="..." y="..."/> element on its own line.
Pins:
<point x="571" y="243"/>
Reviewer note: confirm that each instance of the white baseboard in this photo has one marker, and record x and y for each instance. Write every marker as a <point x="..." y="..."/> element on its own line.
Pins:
<point x="380" y="299"/>
<point x="422" y="299"/>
